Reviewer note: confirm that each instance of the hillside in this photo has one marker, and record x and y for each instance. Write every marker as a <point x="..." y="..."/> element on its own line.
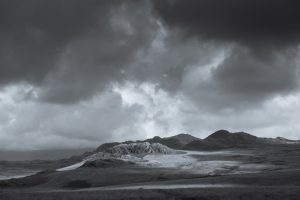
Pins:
<point x="174" y="142"/>
<point x="224" y="139"/>
<point x="221" y="139"/>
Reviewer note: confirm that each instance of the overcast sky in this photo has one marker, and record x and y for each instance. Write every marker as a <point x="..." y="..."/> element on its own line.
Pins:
<point x="77" y="73"/>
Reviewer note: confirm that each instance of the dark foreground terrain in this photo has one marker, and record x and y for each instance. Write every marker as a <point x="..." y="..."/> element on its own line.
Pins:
<point x="124" y="180"/>
<point x="257" y="193"/>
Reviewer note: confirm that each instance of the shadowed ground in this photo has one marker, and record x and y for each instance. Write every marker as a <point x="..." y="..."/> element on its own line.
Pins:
<point x="124" y="180"/>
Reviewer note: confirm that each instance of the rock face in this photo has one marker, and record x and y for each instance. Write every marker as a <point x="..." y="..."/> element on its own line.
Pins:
<point x="140" y="148"/>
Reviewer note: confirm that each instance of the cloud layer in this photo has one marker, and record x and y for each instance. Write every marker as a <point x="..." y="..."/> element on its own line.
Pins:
<point x="78" y="73"/>
<point x="251" y="22"/>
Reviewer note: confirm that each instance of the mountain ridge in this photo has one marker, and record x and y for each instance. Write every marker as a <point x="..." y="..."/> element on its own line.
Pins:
<point x="221" y="139"/>
<point x="175" y="142"/>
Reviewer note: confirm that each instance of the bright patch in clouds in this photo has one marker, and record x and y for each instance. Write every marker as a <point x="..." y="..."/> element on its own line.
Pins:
<point x="160" y="112"/>
<point x="135" y="69"/>
<point x="128" y="112"/>
<point x="29" y="124"/>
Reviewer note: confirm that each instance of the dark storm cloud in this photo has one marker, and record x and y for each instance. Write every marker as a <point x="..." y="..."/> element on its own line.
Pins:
<point x="91" y="71"/>
<point x="33" y="34"/>
<point x="244" y="74"/>
<point x="263" y="37"/>
<point x="273" y="21"/>
<point x="101" y="56"/>
<point x="69" y="48"/>
<point x="72" y="50"/>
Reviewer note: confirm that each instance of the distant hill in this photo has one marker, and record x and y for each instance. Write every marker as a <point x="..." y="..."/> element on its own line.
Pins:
<point x="227" y="139"/>
<point x="224" y="139"/>
<point x="280" y="140"/>
<point x="53" y="154"/>
<point x="221" y="139"/>
<point x="174" y="142"/>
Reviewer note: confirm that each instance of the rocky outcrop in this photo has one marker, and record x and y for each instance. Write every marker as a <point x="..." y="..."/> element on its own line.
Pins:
<point x="140" y="148"/>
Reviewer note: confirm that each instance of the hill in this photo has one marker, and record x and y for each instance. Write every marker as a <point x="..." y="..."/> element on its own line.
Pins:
<point x="224" y="139"/>
<point x="174" y="142"/>
<point x="221" y="139"/>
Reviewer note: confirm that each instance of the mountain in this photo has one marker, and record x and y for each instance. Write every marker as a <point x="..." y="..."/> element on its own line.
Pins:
<point x="221" y="139"/>
<point x="174" y="142"/>
<point x="227" y="139"/>
<point x="201" y="145"/>
<point x="280" y="140"/>
<point x="224" y="139"/>
<point x="184" y="138"/>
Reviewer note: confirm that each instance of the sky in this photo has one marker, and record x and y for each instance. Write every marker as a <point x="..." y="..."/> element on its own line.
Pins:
<point x="78" y="73"/>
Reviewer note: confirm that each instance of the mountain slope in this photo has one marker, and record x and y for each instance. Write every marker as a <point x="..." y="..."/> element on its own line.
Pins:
<point x="224" y="139"/>
<point x="221" y="139"/>
<point x="174" y="142"/>
<point x="227" y="139"/>
<point x="280" y="140"/>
